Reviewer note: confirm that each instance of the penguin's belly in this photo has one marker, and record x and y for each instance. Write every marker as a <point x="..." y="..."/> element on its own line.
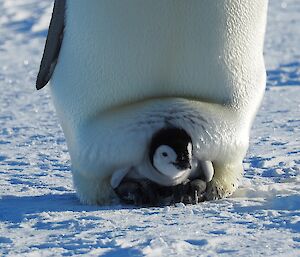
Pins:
<point x="122" y="52"/>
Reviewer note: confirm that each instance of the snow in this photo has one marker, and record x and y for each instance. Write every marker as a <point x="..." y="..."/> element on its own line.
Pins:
<point x="41" y="216"/>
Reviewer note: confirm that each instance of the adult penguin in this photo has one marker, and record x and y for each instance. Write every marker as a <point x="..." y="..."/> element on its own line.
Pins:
<point x="123" y="70"/>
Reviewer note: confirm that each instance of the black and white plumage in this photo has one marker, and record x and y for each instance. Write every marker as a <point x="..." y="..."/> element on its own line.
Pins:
<point x="175" y="174"/>
<point x="122" y="70"/>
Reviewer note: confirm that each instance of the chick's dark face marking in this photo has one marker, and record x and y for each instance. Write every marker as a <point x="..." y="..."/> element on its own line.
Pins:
<point x="171" y="151"/>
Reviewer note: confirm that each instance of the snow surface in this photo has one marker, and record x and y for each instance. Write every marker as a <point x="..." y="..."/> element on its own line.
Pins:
<point x="41" y="216"/>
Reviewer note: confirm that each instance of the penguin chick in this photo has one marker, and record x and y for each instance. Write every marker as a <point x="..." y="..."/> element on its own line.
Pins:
<point x="163" y="179"/>
<point x="168" y="161"/>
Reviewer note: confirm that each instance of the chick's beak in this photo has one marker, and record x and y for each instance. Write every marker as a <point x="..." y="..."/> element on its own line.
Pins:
<point x="183" y="164"/>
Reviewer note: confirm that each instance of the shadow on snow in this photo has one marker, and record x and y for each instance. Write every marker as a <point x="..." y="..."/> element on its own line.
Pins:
<point x="15" y="208"/>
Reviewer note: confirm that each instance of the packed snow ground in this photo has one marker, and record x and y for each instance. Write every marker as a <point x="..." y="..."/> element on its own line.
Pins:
<point x="41" y="216"/>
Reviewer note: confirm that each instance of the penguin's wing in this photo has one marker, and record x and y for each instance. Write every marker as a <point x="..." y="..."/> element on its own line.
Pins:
<point x="53" y="44"/>
<point x="117" y="177"/>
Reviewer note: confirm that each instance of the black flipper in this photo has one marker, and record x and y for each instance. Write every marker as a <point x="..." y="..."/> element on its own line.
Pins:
<point x="53" y="44"/>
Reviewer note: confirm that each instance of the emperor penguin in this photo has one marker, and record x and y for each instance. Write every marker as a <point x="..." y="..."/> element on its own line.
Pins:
<point x="127" y="74"/>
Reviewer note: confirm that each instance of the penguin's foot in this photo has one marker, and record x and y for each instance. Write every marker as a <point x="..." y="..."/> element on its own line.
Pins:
<point x="216" y="190"/>
<point x="225" y="180"/>
<point x="148" y="193"/>
<point x="220" y="188"/>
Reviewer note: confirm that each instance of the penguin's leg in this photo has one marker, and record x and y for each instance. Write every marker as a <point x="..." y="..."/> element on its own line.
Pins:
<point x="225" y="180"/>
<point x="93" y="190"/>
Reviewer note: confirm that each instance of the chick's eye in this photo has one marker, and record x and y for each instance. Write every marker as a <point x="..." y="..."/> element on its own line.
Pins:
<point x="164" y="154"/>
